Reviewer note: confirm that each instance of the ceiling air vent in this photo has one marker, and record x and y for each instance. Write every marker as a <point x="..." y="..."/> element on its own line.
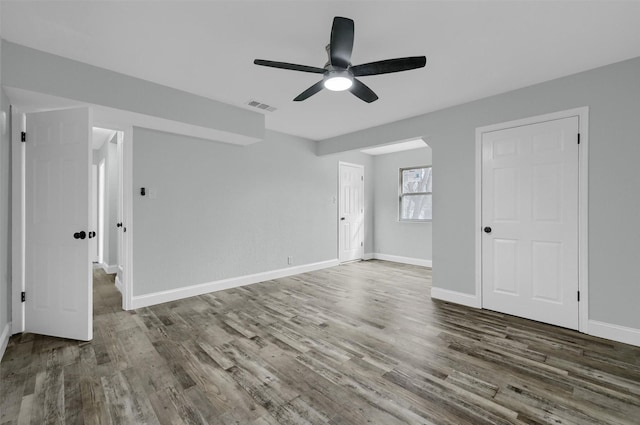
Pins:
<point x="263" y="106"/>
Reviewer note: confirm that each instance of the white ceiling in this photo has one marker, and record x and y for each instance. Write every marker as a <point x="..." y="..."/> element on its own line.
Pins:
<point x="474" y="49"/>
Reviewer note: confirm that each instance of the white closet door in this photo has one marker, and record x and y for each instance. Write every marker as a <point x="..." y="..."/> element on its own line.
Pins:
<point x="530" y="221"/>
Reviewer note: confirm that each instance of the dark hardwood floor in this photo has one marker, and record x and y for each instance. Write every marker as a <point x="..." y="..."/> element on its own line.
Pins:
<point x="361" y="343"/>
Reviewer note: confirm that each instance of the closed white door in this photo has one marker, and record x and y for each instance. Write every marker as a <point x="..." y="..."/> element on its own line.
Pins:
<point x="530" y="221"/>
<point x="58" y="280"/>
<point x="351" y="212"/>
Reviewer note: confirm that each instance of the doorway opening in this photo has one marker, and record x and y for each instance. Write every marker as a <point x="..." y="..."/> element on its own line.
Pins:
<point x="106" y="183"/>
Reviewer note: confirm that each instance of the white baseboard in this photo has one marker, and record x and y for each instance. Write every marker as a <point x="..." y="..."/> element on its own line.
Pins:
<point x="108" y="269"/>
<point x="118" y="284"/>
<point x="219" y="285"/>
<point x="368" y="256"/>
<point x="403" y="260"/>
<point x="614" y="332"/>
<point x="4" y="339"/>
<point x="456" y="297"/>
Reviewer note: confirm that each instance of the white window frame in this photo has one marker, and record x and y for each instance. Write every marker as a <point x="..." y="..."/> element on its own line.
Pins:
<point x="402" y="195"/>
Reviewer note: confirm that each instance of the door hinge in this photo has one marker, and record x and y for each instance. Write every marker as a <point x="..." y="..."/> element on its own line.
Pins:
<point x="578" y="138"/>
<point x="362" y="178"/>
<point x="23" y="296"/>
<point x="23" y="137"/>
<point x="361" y="243"/>
<point x="578" y="296"/>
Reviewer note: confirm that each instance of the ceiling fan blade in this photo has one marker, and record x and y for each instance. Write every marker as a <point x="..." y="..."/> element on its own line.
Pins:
<point x="341" y="43"/>
<point x="361" y="90"/>
<point x="310" y="91"/>
<point x="291" y="66"/>
<point x="388" y="66"/>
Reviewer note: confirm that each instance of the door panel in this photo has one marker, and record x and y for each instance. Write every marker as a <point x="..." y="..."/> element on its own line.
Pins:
<point x="351" y="210"/>
<point x="58" y="187"/>
<point x="505" y="254"/>
<point x="505" y="190"/>
<point x="530" y="202"/>
<point x="546" y="271"/>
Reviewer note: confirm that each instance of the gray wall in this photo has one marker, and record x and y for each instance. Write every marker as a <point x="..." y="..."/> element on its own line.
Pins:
<point x="224" y="211"/>
<point x="613" y="95"/>
<point x="41" y="72"/>
<point x="392" y="237"/>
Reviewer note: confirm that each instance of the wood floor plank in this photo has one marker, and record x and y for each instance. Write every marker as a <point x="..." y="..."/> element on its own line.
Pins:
<point x="360" y="343"/>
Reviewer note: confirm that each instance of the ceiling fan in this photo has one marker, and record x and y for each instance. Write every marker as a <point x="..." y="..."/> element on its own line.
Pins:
<point x="338" y="73"/>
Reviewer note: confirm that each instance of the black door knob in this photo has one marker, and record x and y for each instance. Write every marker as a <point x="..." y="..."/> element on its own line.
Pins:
<point x="92" y="235"/>
<point x="80" y="235"/>
<point x="342" y="218"/>
<point x="118" y="224"/>
<point x="487" y="229"/>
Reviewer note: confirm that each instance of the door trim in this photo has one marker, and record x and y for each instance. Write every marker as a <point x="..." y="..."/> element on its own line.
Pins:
<point x="364" y="229"/>
<point x="583" y="202"/>
<point x="127" y="239"/>
<point x="17" y="219"/>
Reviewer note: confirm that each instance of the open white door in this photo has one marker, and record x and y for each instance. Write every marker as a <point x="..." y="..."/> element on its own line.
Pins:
<point x="351" y="212"/>
<point x="58" y="279"/>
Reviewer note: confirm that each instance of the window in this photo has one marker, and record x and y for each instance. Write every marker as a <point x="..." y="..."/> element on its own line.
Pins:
<point x="415" y="194"/>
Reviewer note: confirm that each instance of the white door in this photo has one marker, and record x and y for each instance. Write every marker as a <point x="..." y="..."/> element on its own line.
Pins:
<point x="58" y="280"/>
<point x="530" y="221"/>
<point x="351" y="212"/>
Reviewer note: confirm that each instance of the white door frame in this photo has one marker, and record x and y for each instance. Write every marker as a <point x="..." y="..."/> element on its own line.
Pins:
<point x="18" y="233"/>
<point x="18" y="189"/>
<point x="127" y="239"/>
<point x="100" y="210"/>
<point x="126" y="286"/>
<point x="364" y="229"/>
<point x="583" y="202"/>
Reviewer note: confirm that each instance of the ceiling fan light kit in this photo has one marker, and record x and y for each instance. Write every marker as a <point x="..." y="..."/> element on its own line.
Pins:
<point x="338" y="80"/>
<point x="338" y="73"/>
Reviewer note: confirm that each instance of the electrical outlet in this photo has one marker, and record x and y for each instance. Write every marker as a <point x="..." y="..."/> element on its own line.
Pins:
<point x="289" y="260"/>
